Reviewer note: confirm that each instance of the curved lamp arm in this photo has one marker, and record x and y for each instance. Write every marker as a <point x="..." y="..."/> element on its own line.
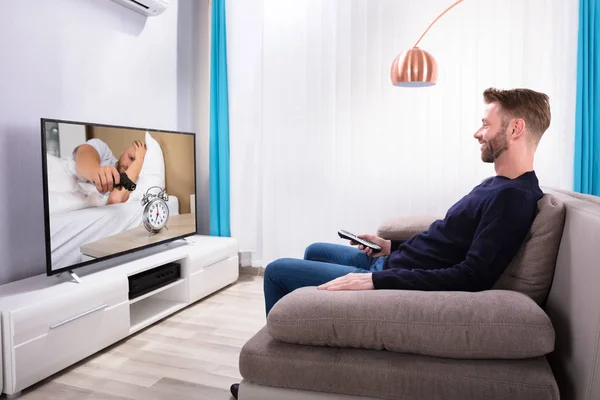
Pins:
<point x="436" y="20"/>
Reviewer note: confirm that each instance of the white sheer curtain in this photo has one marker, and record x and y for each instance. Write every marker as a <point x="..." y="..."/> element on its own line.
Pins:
<point x="320" y="140"/>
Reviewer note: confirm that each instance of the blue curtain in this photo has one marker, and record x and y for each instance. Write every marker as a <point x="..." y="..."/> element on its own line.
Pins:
<point x="587" y="120"/>
<point x="219" y="125"/>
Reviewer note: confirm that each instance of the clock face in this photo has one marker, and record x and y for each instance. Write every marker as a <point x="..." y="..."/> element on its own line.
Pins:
<point x="158" y="213"/>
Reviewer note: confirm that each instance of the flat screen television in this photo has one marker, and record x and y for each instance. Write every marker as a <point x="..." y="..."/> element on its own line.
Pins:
<point x="114" y="190"/>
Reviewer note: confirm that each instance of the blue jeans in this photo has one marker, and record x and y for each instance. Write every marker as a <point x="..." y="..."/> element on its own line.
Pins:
<point x="322" y="263"/>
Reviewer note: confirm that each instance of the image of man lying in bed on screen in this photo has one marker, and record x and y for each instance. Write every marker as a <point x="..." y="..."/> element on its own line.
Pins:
<point x="91" y="214"/>
<point x="94" y="162"/>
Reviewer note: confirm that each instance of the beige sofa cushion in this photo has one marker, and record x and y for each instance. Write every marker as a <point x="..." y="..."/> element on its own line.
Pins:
<point x="491" y="324"/>
<point x="389" y="375"/>
<point x="405" y="227"/>
<point x="532" y="269"/>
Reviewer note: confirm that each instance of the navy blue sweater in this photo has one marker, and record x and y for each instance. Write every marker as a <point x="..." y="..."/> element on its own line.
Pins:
<point x="470" y="248"/>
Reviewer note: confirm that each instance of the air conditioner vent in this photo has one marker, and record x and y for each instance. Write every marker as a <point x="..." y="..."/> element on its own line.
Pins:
<point x="145" y="7"/>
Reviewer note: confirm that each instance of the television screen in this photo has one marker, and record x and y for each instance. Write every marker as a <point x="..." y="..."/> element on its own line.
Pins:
<point x="111" y="190"/>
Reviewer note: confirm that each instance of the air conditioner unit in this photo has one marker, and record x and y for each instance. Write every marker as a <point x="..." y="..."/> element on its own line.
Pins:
<point x="145" y="7"/>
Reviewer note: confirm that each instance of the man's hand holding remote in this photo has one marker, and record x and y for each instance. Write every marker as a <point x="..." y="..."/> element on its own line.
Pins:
<point x="386" y="245"/>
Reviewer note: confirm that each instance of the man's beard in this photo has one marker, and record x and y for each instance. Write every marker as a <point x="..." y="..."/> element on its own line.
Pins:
<point x="495" y="147"/>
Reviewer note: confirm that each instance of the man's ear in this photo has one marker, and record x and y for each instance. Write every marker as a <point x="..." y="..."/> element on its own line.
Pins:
<point x="517" y="128"/>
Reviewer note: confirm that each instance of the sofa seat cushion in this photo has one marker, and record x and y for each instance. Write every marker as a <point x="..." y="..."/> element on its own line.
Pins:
<point x="389" y="375"/>
<point x="491" y="324"/>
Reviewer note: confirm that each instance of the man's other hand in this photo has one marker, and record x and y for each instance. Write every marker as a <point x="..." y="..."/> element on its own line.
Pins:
<point x="352" y="281"/>
<point x="386" y="245"/>
<point x="105" y="179"/>
<point x="140" y="150"/>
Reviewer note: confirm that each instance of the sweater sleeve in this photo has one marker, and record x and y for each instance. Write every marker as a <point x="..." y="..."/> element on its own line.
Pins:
<point x="396" y="243"/>
<point x="505" y="221"/>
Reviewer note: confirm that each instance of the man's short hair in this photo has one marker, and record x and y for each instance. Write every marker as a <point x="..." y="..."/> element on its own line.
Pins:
<point x="533" y="107"/>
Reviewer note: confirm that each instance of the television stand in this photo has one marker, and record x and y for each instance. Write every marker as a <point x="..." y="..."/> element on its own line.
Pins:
<point x="75" y="277"/>
<point x="49" y="324"/>
<point x="72" y="274"/>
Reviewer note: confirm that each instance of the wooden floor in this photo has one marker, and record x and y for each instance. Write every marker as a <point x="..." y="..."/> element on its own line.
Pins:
<point x="191" y="355"/>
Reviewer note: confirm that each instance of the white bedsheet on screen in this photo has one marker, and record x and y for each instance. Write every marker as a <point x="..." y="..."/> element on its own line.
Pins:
<point x="72" y="229"/>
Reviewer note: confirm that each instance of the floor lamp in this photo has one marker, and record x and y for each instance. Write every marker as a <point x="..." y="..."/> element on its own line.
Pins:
<point x="416" y="67"/>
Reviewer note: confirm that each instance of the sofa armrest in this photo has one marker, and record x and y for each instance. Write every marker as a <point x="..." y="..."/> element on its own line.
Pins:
<point x="497" y="324"/>
<point x="405" y="227"/>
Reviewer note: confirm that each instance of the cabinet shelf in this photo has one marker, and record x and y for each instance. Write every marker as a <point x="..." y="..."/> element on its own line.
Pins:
<point x="151" y="309"/>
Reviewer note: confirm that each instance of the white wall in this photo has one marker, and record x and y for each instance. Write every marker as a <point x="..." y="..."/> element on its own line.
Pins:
<point x="200" y="15"/>
<point x="85" y="60"/>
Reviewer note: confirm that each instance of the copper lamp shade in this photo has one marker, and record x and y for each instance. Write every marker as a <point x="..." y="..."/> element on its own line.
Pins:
<point x="414" y="68"/>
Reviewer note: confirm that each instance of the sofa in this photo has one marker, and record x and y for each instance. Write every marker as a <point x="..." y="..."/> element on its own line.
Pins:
<point x="534" y="335"/>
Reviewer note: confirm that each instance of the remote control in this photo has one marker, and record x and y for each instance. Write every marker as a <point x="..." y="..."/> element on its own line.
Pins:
<point x="350" y="236"/>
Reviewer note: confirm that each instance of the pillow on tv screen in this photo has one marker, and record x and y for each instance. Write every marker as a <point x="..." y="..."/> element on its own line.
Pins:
<point x="60" y="180"/>
<point x="153" y="170"/>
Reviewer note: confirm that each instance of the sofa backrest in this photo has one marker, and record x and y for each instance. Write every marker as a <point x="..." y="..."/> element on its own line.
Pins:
<point x="573" y="303"/>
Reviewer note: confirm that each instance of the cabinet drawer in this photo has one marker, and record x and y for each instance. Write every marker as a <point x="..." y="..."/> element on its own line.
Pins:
<point x="39" y="318"/>
<point x="213" y="277"/>
<point x="69" y="343"/>
<point x="215" y="251"/>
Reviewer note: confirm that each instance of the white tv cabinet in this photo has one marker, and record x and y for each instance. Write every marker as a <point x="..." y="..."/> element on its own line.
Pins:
<point x="50" y="323"/>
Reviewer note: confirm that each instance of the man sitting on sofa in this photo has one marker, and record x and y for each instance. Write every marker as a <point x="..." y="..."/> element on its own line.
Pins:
<point x="466" y="251"/>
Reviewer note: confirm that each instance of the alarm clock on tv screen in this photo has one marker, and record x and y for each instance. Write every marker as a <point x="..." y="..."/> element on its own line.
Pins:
<point x="156" y="211"/>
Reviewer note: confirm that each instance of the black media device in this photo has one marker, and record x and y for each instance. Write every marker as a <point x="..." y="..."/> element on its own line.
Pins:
<point x="350" y="236"/>
<point x="155" y="278"/>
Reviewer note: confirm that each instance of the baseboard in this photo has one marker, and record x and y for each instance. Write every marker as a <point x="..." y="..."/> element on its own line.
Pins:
<point x="248" y="266"/>
<point x="245" y="258"/>
<point x="256" y="271"/>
